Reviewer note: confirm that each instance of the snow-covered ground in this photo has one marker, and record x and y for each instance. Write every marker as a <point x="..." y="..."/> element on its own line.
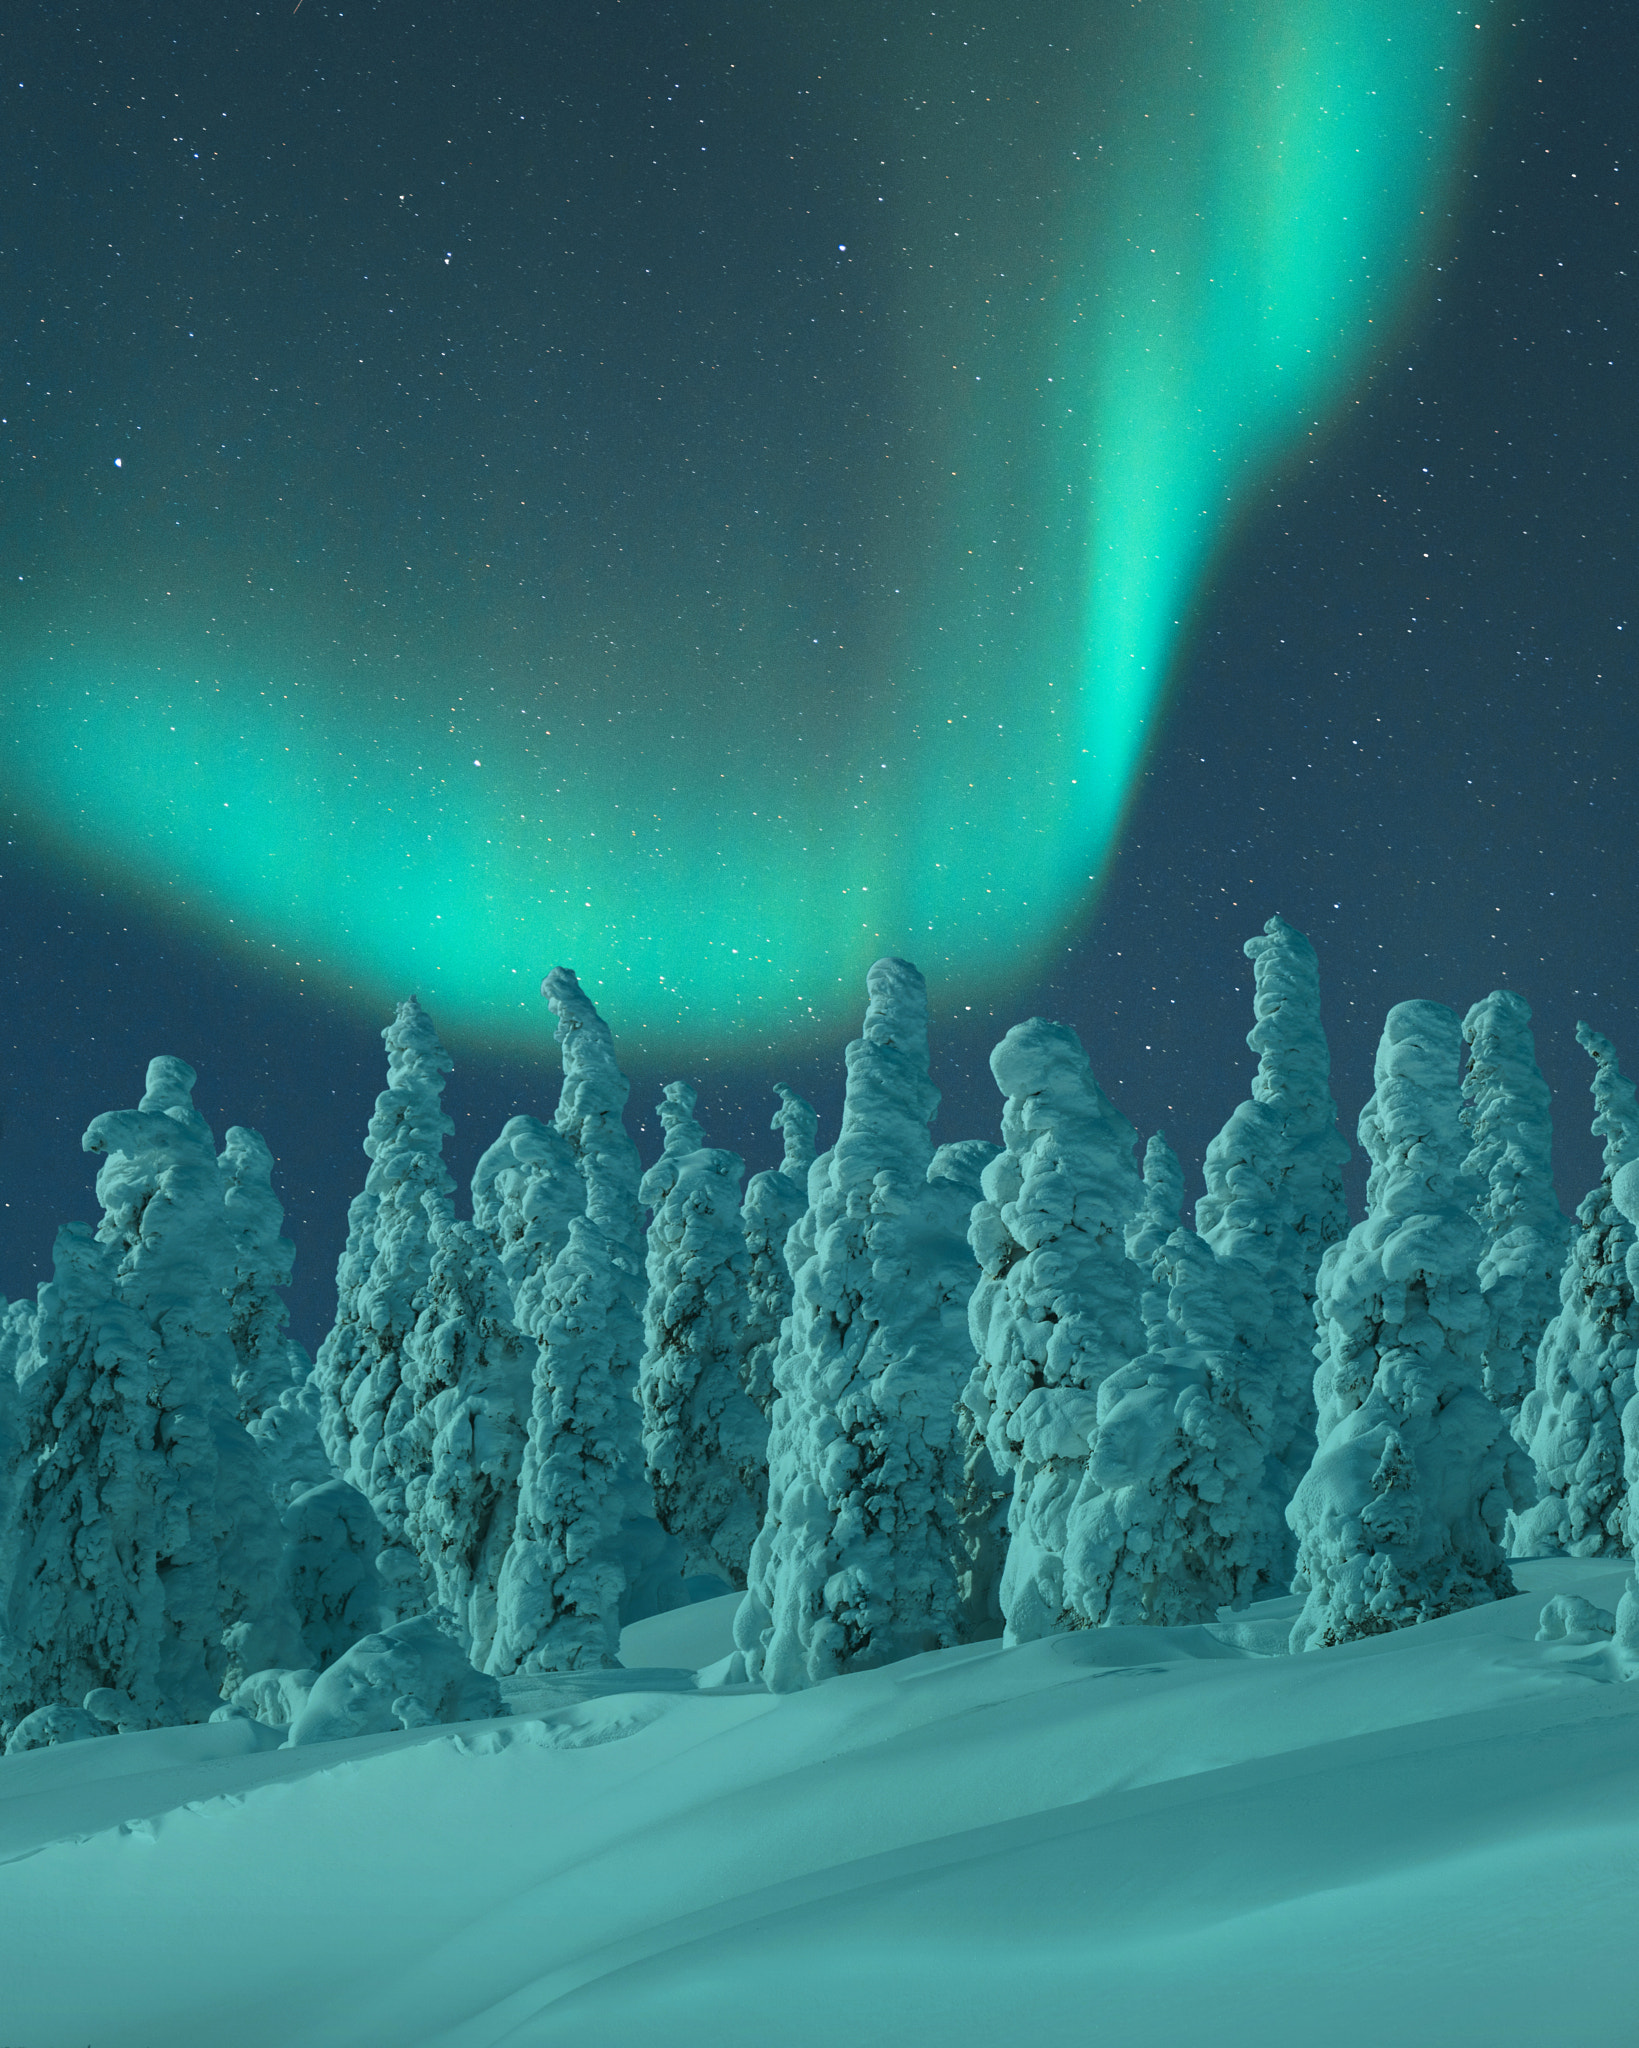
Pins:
<point x="1123" y="1835"/>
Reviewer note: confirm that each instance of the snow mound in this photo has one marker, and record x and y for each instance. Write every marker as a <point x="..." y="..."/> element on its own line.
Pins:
<point x="410" y="1676"/>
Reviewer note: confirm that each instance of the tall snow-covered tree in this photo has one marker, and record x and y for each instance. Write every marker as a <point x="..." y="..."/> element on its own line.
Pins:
<point x="705" y="1441"/>
<point x="590" y="1116"/>
<point x="1057" y="1307"/>
<point x="1506" y="1111"/>
<point x="856" y="1561"/>
<point x="983" y="1494"/>
<point x="1167" y="1525"/>
<point x="563" y="1578"/>
<point x="774" y="1201"/>
<point x="163" y="1213"/>
<point x="1399" y="1518"/>
<point x="1148" y="1231"/>
<point x="524" y="1191"/>
<point x="80" y="1550"/>
<point x="1273" y="1204"/>
<point x="1571" y="1421"/>
<point x="365" y="1415"/>
<point x="266" y="1361"/>
<point x="468" y="1372"/>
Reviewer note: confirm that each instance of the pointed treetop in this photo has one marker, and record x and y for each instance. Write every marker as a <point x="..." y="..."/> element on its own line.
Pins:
<point x="1616" y="1117"/>
<point x="676" y="1112"/>
<point x="889" y="1100"/>
<point x="797" y="1123"/>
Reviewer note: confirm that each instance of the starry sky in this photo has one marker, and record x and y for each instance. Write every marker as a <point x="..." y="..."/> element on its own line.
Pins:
<point x="710" y="498"/>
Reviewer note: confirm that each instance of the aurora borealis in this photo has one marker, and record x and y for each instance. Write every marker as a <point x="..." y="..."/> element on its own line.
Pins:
<point x="703" y="496"/>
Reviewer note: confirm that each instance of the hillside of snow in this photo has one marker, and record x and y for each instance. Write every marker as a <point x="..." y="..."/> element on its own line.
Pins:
<point x="1143" y="1835"/>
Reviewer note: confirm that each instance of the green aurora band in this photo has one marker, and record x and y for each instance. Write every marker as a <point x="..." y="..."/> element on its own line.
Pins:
<point x="748" y="791"/>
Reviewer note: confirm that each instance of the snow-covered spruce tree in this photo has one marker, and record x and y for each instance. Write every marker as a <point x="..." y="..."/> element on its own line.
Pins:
<point x="1571" y="1421"/>
<point x="1506" y="1105"/>
<point x="1057" y="1306"/>
<point x="266" y="1361"/>
<point x="1149" y="1230"/>
<point x="1167" y="1525"/>
<point x="467" y="1372"/>
<point x="1399" y="1517"/>
<point x="774" y="1201"/>
<point x="983" y="1494"/>
<point x="83" y="1605"/>
<point x="1624" y="1186"/>
<point x="524" y="1191"/>
<point x="559" y="1597"/>
<point x="705" y="1441"/>
<point x="590" y="1116"/>
<point x="164" y="1217"/>
<point x="366" y="1416"/>
<point x="856" y="1563"/>
<point x="1273" y="1204"/>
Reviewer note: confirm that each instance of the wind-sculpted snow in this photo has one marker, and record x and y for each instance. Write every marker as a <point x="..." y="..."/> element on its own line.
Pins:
<point x="1571" y="1421"/>
<point x="1168" y="1523"/>
<point x="467" y="1371"/>
<point x="1156" y="1220"/>
<point x="410" y="1676"/>
<point x="267" y="1362"/>
<point x="774" y="1201"/>
<point x="1400" y="1515"/>
<point x="589" y="1115"/>
<point x="379" y="1281"/>
<point x="559" y="1595"/>
<point x="1273" y="1203"/>
<point x="855" y="1564"/>
<point x="706" y="1442"/>
<point x="1058" y="1305"/>
<point x="524" y="1191"/>
<point x="1506" y="1111"/>
<point x="331" y="1542"/>
<point x="955" y="1189"/>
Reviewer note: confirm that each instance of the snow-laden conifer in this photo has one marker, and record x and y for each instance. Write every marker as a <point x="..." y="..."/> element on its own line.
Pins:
<point x="983" y="1494"/>
<point x="590" y="1116"/>
<point x="1571" y="1421"/>
<point x="468" y="1373"/>
<point x="559" y="1597"/>
<point x="775" y="1199"/>
<point x="524" y="1191"/>
<point x="266" y="1362"/>
<point x="1057" y="1306"/>
<point x="1399" y="1517"/>
<point x="1149" y="1230"/>
<point x="164" y="1217"/>
<point x="855" y="1564"/>
<point x="1273" y="1204"/>
<point x="365" y="1416"/>
<point x="705" y="1441"/>
<point x="1168" y="1523"/>
<point x="1506" y="1110"/>
<point x="83" y="1603"/>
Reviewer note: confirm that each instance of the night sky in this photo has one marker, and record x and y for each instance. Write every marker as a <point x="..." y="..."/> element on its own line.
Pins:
<point x="710" y="497"/>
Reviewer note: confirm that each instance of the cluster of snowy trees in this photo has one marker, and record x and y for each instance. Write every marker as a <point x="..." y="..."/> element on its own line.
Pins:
<point x="898" y="1396"/>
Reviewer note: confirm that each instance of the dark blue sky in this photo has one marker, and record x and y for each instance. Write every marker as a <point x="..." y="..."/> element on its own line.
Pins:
<point x="1405" y="718"/>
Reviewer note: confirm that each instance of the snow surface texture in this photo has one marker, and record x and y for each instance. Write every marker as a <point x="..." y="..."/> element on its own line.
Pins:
<point x="366" y="1414"/>
<point x="1425" y="1837"/>
<point x="1167" y="1524"/>
<point x="1273" y="1204"/>
<point x="774" y="1202"/>
<point x="705" y="1440"/>
<point x="589" y="1116"/>
<point x="856" y="1562"/>
<point x="1400" y="1515"/>
<point x="1057" y="1307"/>
<point x="1506" y="1110"/>
<point x="468" y="1372"/>
<point x="1571" y="1420"/>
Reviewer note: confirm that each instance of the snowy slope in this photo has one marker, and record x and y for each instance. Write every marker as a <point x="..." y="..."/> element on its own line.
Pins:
<point x="1126" y="1834"/>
